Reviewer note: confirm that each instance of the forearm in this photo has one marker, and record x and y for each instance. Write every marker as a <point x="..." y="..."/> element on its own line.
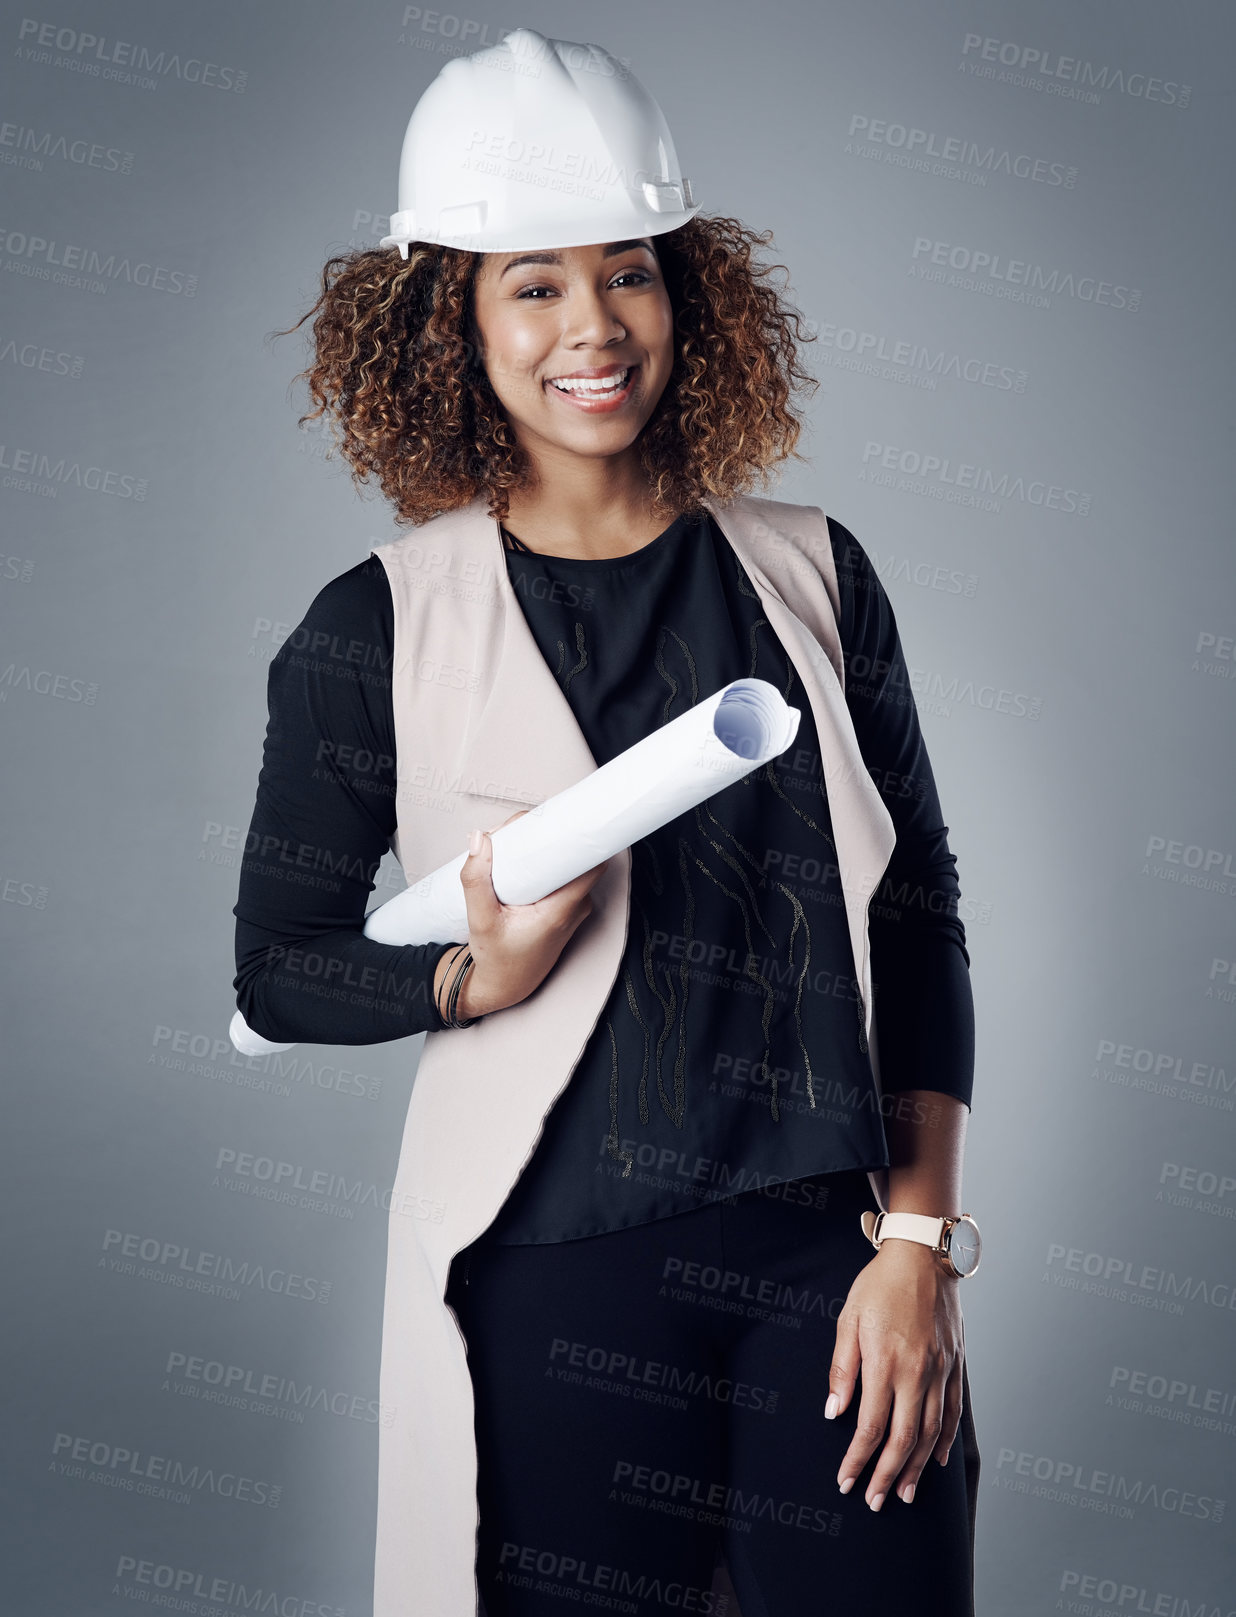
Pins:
<point x="336" y="987"/>
<point x="926" y="1133"/>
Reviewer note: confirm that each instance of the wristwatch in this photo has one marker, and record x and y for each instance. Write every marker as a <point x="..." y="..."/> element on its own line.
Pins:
<point x="956" y="1241"/>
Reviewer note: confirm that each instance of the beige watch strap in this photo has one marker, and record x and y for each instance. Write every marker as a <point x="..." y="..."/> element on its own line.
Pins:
<point x="920" y="1227"/>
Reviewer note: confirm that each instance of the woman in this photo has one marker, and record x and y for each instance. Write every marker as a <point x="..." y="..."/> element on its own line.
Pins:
<point x="665" y="1291"/>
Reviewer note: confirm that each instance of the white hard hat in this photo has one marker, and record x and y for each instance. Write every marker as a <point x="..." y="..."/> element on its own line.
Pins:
<point x="536" y="143"/>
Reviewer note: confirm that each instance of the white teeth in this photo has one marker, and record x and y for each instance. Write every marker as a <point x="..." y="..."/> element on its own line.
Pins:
<point x="592" y="385"/>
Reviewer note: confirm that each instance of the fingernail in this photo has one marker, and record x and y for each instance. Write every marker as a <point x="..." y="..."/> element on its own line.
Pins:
<point x="830" y="1408"/>
<point x="877" y="1501"/>
<point x="847" y="1485"/>
<point x="474" y="842"/>
<point x="907" y="1494"/>
<point x="947" y="1452"/>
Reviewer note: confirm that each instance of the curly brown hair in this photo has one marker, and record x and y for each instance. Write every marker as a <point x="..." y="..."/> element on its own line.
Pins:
<point x="398" y="371"/>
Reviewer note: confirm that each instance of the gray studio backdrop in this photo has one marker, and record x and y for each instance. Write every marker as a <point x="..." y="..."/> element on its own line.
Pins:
<point x="1009" y="226"/>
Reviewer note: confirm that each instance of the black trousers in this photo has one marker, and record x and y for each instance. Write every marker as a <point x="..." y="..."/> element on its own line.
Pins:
<point x="648" y="1397"/>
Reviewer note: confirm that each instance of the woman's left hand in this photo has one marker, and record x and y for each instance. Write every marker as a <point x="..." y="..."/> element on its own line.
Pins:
<point x="902" y="1323"/>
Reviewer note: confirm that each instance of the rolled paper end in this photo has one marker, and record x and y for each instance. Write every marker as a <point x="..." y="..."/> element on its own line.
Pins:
<point x="250" y="1043"/>
<point x="753" y="720"/>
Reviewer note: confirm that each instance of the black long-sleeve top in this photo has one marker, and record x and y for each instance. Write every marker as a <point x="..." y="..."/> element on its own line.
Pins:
<point x="735" y="1007"/>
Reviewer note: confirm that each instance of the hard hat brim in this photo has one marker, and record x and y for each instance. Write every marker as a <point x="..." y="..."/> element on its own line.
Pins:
<point x="522" y="241"/>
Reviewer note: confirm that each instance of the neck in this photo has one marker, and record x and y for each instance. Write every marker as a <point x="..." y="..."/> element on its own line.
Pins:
<point x="585" y="507"/>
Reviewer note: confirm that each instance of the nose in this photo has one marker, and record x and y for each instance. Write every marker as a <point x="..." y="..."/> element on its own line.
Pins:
<point x="590" y="318"/>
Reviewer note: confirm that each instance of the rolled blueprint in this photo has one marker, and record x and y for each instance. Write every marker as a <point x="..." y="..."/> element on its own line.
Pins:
<point x="724" y="737"/>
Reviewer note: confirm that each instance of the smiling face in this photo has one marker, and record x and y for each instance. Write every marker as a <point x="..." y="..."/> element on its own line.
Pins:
<point x="578" y="344"/>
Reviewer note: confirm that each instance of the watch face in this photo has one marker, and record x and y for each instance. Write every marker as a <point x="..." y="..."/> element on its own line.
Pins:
<point x="965" y="1246"/>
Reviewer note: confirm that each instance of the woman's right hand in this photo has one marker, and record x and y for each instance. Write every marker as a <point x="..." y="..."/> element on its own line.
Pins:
<point x="515" y="946"/>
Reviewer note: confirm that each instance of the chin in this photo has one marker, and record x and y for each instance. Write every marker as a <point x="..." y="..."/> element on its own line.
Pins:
<point x="600" y="441"/>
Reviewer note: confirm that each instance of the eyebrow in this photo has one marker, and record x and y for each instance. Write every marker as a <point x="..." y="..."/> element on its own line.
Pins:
<point x="612" y="251"/>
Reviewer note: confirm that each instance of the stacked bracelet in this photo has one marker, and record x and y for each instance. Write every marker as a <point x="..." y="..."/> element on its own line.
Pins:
<point x="449" y="1015"/>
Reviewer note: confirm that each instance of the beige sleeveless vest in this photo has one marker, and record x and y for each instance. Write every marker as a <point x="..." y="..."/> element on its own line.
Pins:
<point x="483" y="728"/>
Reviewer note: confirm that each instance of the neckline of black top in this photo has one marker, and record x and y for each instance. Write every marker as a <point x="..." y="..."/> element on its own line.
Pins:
<point x="595" y="564"/>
